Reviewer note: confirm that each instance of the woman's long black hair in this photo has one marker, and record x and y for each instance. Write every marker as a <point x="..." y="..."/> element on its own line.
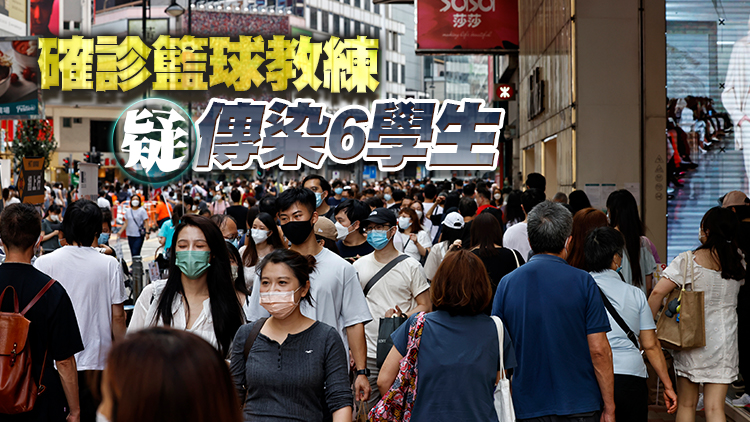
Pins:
<point x="225" y="308"/>
<point x="239" y="283"/>
<point x="721" y="226"/>
<point x="623" y="215"/>
<point x="250" y="255"/>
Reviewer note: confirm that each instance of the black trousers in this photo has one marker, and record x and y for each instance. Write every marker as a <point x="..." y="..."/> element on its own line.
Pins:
<point x="583" y="417"/>
<point x="87" y="386"/>
<point x="631" y="399"/>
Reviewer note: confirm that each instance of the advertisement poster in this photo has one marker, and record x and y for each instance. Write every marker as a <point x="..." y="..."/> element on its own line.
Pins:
<point x="45" y="16"/>
<point x="471" y="25"/>
<point x="13" y="16"/>
<point x="708" y="83"/>
<point x="19" y="78"/>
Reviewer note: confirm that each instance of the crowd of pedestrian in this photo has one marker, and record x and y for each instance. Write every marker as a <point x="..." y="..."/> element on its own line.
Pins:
<point x="320" y="300"/>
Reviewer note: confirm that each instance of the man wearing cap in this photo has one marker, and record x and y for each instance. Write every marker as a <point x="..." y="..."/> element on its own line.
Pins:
<point x="403" y="289"/>
<point x="325" y="234"/>
<point x="339" y="301"/>
<point x="739" y="203"/>
<point x="453" y="229"/>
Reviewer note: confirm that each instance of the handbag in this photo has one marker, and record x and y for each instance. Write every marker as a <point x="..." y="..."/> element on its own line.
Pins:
<point x="397" y="404"/>
<point x="503" y="400"/>
<point x="686" y="329"/>
<point x="387" y="325"/>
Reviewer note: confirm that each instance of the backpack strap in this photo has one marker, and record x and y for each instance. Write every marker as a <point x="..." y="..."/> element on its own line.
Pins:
<point x="33" y="302"/>
<point x="253" y="335"/>
<point x="38" y="296"/>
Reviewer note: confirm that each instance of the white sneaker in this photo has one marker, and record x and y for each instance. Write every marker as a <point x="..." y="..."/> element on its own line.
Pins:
<point x="742" y="401"/>
<point x="700" y="406"/>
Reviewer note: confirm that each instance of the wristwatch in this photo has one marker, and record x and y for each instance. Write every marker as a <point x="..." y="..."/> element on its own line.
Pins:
<point x="365" y="372"/>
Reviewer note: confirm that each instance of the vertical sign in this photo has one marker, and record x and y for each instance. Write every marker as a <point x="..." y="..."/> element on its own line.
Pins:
<point x="88" y="182"/>
<point x="31" y="181"/>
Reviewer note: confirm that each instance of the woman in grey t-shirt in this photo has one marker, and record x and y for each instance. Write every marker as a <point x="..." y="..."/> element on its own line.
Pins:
<point x="296" y="368"/>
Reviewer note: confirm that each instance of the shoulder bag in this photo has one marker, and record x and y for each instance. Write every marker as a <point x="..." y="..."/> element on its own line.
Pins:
<point x="397" y="404"/>
<point x="246" y="352"/>
<point x="618" y="319"/>
<point x="685" y="329"/>
<point x="503" y="400"/>
<point x="387" y="325"/>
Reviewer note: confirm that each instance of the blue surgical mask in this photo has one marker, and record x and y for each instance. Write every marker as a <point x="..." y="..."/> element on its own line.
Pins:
<point x="318" y="199"/>
<point x="378" y="239"/>
<point x="387" y="197"/>
<point x="338" y="191"/>
<point x="236" y="243"/>
<point x="619" y="269"/>
<point x="103" y="238"/>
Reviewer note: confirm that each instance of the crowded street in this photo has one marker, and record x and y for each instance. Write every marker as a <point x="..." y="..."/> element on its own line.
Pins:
<point x="374" y="211"/>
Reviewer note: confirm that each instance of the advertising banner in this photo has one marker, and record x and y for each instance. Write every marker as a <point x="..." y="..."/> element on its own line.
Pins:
<point x="19" y="78"/>
<point x="466" y="26"/>
<point x="13" y="16"/>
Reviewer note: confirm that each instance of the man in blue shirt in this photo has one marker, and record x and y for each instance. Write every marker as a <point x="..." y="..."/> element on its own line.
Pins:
<point x="555" y="316"/>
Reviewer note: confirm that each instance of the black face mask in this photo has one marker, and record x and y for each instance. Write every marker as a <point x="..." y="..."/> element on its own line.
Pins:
<point x="297" y="231"/>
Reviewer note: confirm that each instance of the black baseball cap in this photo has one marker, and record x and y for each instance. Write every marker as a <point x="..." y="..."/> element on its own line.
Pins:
<point x="381" y="216"/>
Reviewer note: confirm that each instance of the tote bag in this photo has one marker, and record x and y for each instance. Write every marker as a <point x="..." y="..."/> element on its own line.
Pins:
<point x="687" y="328"/>
<point x="503" y="400"/>
<point x="398" y="402"/>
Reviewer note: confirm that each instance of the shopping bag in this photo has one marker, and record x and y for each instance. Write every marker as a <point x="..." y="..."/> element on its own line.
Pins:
<point x="685" y="329"/>
<point x="387" y="327"/>
<point x="503" y="400"/>
<point x="397" y="404"/>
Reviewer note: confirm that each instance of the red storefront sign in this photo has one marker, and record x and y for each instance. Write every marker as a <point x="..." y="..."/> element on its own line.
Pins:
<point x="467" y="26"/>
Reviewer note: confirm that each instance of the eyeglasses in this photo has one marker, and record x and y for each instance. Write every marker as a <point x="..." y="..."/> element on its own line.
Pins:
<point x="379" y="227"/>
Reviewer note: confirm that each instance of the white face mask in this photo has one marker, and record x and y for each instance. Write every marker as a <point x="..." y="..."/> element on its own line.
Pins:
<point x="55" y="218"/>
<point x="341" y="231"/>
<point x="100" y="417"/>
<point x="419" y="214"/>
<point x="259" y="235"/>
<point x="498" y="196"/>
<point x="404" y="223"/>
<point x="234" y="272"/>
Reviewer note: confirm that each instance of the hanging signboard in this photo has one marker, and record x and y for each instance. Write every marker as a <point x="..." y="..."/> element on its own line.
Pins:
<point x="466" y="26"/>
<point x="31" y="181"/>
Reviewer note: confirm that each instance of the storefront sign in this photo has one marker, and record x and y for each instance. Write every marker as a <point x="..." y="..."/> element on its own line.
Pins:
<point x="504" y="92"/>
<point x="466" y="26"/>
<point x="536" y="94"/>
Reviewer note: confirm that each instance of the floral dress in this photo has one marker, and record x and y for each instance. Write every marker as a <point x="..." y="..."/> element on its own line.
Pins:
<point x="718" y="361"/>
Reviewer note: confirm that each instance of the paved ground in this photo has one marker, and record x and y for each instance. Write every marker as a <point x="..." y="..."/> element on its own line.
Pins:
<point x="659" y="414"/>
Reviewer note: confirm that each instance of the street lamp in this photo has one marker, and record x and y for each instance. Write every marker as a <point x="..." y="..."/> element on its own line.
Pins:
<point x="174" y="10"/>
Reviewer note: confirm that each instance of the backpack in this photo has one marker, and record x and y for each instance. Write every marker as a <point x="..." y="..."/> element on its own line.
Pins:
<point x="18" y="390"/>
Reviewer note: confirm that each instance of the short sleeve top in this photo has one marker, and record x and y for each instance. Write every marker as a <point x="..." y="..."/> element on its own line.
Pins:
<point x="458" y="360"/>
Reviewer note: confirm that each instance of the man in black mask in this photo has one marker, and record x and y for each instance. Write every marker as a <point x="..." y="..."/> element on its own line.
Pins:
<point x="334" y="285"/>
<point x="739" y="203"/>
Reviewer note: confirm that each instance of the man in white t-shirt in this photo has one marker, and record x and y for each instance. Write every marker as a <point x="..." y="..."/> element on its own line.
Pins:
<point x="95" y="286"/>
<point x="403" y="289"/>
<point x="516" y="237"/>
<point x="102" y="202"/>
<point x="334" y="285"/>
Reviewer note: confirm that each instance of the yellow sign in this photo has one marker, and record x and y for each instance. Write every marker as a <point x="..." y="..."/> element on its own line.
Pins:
<point x="190" y="63"/>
